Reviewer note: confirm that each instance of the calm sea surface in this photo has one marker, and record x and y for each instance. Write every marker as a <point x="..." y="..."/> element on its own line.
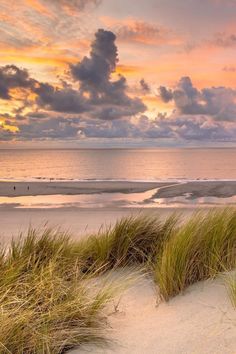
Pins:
<point x="128" y="164"/>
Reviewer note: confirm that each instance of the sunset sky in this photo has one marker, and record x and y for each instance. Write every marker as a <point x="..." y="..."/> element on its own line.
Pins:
<point x="111" y="73"/>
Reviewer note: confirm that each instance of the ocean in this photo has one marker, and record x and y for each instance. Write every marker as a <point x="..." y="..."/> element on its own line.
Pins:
<point x="118" y="164"/>
<point x="144" y="165"/>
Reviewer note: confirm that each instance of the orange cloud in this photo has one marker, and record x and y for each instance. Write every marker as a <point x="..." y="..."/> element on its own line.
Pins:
<point x="127" y="70"/>
<point x="37" y="5"/>
<point x="137" y="31"/>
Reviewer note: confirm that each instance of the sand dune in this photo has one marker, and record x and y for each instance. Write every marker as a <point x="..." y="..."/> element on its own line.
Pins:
<point x="202" y="321"/>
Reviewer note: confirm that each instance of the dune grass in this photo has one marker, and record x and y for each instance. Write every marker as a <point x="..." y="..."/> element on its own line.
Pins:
<point x="46" y="304"/>
<point x="132" y="240"/>
<point x="231" y="286"/>
<point x="49" y="301"/>
<point x="202" y="247"/>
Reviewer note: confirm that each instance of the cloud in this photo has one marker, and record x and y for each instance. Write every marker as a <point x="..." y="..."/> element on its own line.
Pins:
<point x="142" y="32"/>
<point x="13" y="77"/>
<point x="94" y="72"/>
<point x="65" y="99"/>
<point x="98" y="95"/>
<point x="216" y="102"/>
<point x="224" y="40"/>
<point x="94" y="98"/>
<point x="144" y="86"/>
<point x="229" y="68"/>
<point x="94" y="75"/>
<point x="50" y="128"/>
<point x="73" y="4"/>
<point x="165" y="94"/>
<point x="97" y="102"/>
<point x="136" y="31"/>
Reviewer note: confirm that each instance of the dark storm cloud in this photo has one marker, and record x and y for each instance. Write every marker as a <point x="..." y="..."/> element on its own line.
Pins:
<point x="216" y="102"/>
<point x="13" y="77"/>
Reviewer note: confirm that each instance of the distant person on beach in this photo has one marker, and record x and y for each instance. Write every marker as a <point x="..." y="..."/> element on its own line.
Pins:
<point x="28" y="188"/>
<point x="14" y="188"/>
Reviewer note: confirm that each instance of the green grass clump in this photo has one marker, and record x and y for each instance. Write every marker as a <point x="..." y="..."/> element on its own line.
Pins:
<point x="132" y="240"/>
<point x="203" y="246"/>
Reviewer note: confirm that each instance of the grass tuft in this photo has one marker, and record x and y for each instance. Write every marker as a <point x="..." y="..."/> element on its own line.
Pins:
<point x="132" y="240"/>
<point x="203" y="246"/>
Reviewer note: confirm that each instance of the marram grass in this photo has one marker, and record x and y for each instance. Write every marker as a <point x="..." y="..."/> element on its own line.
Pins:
<point x="49" y="301"/>
<point x="133" y="240"/>
<point x="201" y="248"/>
<point x="47" y="305"/>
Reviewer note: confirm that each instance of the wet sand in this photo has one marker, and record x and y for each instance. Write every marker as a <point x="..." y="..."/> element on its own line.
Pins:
<point x="195" y="189"/>
<point x="16" y="189"/>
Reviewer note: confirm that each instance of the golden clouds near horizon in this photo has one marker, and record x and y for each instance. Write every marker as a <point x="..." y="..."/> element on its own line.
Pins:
<point x="4" y="126"/>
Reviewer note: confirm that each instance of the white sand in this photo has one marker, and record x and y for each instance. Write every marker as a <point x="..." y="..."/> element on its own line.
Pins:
<point x="202" y="321"/>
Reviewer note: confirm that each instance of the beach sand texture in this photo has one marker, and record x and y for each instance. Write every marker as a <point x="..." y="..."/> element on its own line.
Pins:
<point x="202" y="321"/>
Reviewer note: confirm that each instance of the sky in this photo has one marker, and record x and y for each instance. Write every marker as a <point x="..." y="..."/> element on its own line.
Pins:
<point x="117" y="73"/>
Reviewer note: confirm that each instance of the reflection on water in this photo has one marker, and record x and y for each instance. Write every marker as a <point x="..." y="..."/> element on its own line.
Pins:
<point x="109" y="200"/>
<point x="82" y="200"/>
<point x="128" y="164"/>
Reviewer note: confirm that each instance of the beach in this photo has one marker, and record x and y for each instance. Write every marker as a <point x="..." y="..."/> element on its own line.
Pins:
<point x="83" y="207"/>
<point x="200" y="321"/>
